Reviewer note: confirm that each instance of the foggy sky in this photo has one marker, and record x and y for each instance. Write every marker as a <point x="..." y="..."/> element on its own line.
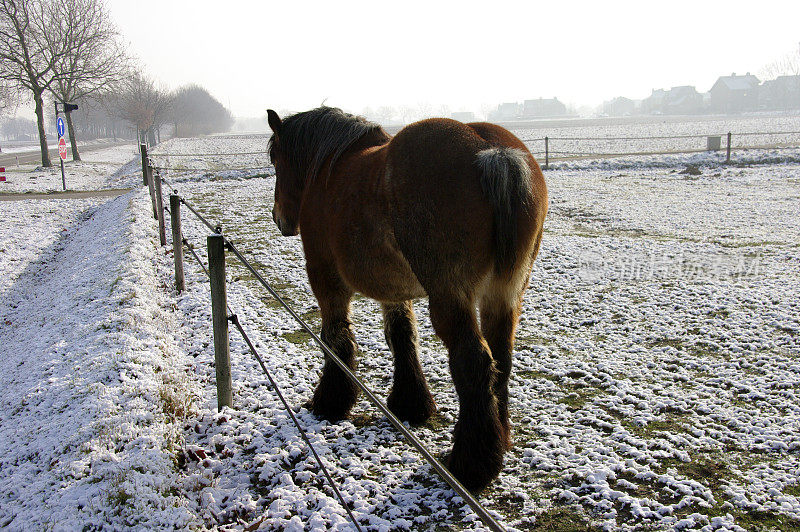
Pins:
<point x="295" y="54"/>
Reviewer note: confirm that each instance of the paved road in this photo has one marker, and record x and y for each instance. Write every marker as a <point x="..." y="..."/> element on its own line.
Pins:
<point x="9" y="160"/>
<point x="70" y="194"/>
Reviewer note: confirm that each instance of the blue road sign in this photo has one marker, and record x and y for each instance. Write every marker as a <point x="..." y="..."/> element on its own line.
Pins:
<point x="60" y="125"/>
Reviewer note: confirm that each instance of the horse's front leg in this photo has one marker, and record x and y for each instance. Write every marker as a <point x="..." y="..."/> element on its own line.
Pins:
<point x="335" y="394"/>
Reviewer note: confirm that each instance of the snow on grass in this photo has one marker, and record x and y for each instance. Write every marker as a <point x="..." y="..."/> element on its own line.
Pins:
<point x="656" y="367"/>
<point x="655" y="386"/>
<point x="99" y="169"/>
<point x="92" y="391"/>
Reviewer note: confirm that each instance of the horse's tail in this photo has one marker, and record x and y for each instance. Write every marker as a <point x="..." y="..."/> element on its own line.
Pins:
<point x="506" y="181"/>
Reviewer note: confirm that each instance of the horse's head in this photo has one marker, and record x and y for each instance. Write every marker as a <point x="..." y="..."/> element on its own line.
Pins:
<point x="288" y="182"/>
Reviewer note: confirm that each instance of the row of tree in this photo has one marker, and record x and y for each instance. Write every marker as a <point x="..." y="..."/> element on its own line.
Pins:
<point x="69" y="51"/>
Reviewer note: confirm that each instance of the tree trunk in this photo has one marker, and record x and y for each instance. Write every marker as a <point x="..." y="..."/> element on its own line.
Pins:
<point x="37" y="97"/>
<point x="151" y="137"/>
<point x="73" y="144"/>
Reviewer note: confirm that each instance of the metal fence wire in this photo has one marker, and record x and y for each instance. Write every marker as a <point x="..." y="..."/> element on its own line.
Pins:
<point x="473" y="503"/>
<point x="547" y="147"/>
<point x="793" y="137"/>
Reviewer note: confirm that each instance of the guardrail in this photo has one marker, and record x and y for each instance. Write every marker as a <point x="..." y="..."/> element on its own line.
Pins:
<point x="222" y="315"/>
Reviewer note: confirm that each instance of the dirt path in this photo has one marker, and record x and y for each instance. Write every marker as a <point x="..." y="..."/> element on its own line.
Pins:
<point x="69" y="194"/>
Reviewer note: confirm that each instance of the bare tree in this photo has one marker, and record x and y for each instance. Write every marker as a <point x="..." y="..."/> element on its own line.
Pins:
<point x="143" y="104"/>
<point x="424" y="110"/>
<point x="408" y="113"/>
<point x="386" y="113"/>
<point x="196" y="112"/>
<point x="94" y="58"/>
<point x="788" y="65"/>
<point x="18" y="128"/>
<point x="9" y="97"/>
<point x="29" y="52"/>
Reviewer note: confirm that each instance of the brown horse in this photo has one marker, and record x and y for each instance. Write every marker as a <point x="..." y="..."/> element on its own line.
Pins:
<point x="446" y="210"/>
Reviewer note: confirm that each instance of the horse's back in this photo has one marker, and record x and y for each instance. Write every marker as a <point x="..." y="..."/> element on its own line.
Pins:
<point x="439" y="210"/>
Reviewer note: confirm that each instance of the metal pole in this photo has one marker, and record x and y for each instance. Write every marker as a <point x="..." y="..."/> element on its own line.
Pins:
<point x="162" y="229"/>
<point x="728" y="159"/>
<point x="546" y="153"/>
<point x="219" y="316"/>
<point x="63" y="178"/>
<point x="177" y="240"/>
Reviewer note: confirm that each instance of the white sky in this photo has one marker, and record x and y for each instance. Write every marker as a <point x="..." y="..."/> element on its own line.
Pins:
<point x="293" y="54"/>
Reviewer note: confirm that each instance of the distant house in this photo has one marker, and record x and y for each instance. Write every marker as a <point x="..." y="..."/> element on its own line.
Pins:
<point x="734" y="94"/>
<point x="543" y="108"/>
<point x="463" y="116"/>
<point x="682" y="100"/>
<point x="506" y="111"/>
<point x="619" y="106"/>
<point x="781" y="93"/>
<point x="654" y="104"/>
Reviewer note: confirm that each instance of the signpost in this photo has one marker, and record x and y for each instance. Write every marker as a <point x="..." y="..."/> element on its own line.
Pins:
<point x="62" y="144"/>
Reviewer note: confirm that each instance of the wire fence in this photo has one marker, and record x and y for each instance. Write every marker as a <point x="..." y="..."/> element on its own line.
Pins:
<point x="232" y="317"/>
<point x="588" y="147"/>
<point x="566" y="147"/>
<point x="546" y="148"/>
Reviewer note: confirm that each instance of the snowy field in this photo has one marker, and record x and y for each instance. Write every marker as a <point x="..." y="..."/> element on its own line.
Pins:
<point x="656" y="381"/>
<point x="658" y="134"/>
<point x="104" y="168"/>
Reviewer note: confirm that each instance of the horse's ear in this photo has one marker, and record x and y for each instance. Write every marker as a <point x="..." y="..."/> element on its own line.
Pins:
<point x="274" y="121"/>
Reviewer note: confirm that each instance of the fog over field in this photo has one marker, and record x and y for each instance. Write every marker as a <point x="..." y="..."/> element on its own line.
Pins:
<point x="465" y="55"/>
<point x="655" y="381"/>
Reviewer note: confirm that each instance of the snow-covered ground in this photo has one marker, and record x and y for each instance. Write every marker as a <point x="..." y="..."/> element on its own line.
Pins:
<point x="656" y="380"/>
<point x="104" y="168"/>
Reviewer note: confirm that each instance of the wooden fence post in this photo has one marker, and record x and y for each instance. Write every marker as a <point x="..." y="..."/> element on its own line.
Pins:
<point x="177" y="240"/>
<point x="162" y="228"/>
<point x="145" y="163"/>
<point x="728" y="159"/>
<point x="546" y="153"/>
<point x="219" y="315"/>
<point x="147" y="175"/>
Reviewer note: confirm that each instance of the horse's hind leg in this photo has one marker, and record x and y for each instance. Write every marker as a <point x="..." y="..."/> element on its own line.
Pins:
<point x="410" y="400"/>
<point x="499" y="318"/>
<point x="478" y="443"/>
<point x="335" y="394"/>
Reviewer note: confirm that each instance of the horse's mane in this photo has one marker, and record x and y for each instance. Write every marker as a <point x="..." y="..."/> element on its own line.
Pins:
<point x="307" y="139"/>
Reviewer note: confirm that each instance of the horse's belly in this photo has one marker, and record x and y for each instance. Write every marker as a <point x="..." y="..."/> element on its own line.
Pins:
<point x="380" y="273"/>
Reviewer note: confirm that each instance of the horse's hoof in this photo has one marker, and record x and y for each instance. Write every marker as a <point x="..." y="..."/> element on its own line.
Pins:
<point x="475" y="475"/>
<point x="415" y="409"/>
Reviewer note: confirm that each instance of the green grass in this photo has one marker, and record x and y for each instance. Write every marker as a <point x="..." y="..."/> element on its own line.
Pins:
<point x="577" y="399"/>
<point x="562" y="519"/>
<point x="672" y="423"/>
<point x="793" y="490"/>
<point x="299" y="336"/>
<point x="535" y="374"/>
